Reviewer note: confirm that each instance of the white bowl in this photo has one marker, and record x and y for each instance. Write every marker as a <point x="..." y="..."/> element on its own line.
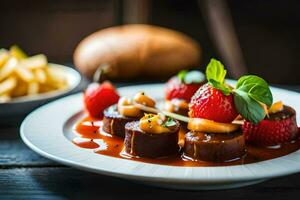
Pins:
<point x="21" y="106"/>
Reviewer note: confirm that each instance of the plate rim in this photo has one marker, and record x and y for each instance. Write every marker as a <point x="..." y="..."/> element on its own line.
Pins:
<point x="190" y="173"/>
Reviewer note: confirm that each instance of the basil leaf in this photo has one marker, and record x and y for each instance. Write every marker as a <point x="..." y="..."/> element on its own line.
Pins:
<point x="256" y="87"/>
<point x="215" y="71"/>
<point x="249" y="108"/>
<point x="181" y="75"/>
<point x="244" y="80"/>
<point x="224" y="88"/>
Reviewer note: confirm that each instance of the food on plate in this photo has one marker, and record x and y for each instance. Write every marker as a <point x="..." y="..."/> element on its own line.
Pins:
<point x="21" y="75"/>
<point x="266" y="124"/>
<point x="184" y="85"/>
<point x="212" y="135"/>
<point x="153" y="136"/>
<point x="130" y="51"/>
<point x="180" y="89"/>
<point x="225" y="125"/>
<point x="278" y="127"/>
<point x="98" y="97"/>
<point x="114" y="122"/>
<point x="214" y="147"/>
<point x="116" y="116"/>
<point x="210" y="101"/>
<point x="214" y="107"/>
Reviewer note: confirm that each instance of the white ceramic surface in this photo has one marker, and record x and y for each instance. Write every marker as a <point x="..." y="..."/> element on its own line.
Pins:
<point x="23" y="105"/>
<point x="47" y="131"/>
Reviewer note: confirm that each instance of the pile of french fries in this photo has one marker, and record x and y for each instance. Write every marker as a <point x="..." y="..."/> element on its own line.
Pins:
<point x="21" y="75"/>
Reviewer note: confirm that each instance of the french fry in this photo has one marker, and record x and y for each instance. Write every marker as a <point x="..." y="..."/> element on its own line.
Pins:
<point x="35" y="62"/>
<point x="56" y="78"/>
<point x="24" y="73"/>
<point x="8" y="68"/>
<point x="4" y="55"/>
<point x="33" y="88"/>
<point x="40" y="75"/>
<point x="46" y="88"/>
<point x="8" y="85"/>
<point x="21" y="75"/>
<point x="17" y="52"/>
<point x="20" y="90"/>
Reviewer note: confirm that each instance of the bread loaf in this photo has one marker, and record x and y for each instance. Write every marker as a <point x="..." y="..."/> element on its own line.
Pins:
<point x="132" y="51"/>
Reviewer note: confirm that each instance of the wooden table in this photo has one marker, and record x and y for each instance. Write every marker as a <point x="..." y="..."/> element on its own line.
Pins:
<point x="26" y="175"/>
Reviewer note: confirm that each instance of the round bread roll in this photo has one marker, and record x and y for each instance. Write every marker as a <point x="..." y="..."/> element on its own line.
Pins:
<point x="131" y="51"/>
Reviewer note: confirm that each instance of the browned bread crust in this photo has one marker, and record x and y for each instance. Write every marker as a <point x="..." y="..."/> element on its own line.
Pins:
<point x="134" y="50"/>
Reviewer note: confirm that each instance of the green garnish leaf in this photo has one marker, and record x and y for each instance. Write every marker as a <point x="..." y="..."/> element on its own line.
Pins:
<point x="191" y="77"/>
<point x="170" y="122"/>
<point x="257" y="88"/>
<point x="226" y="90"/>
<point x="181" y="75"/>
<point x="215" y="71"/>
<point x="252" y="91"/>
<point x="215" y="75"/>
<point x="248" y="107"/>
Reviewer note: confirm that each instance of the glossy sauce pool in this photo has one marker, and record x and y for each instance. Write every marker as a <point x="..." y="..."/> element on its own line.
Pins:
<point x="89" y="136"/>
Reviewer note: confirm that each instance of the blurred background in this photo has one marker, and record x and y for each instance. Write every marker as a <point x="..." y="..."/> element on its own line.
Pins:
<point x="261" y="37"/>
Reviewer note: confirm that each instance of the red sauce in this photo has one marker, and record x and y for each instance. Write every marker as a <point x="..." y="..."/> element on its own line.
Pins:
<point x="106" y="144"/>
<point x="85" y="143"/>
<point x="88" y="128"/>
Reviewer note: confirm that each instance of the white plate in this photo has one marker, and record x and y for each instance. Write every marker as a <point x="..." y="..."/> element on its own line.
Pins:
<point x="23" y="105"/>
<point x="47" y="131"/>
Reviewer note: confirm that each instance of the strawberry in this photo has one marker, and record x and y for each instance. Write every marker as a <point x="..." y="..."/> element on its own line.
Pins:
<point x="184" y="85"/>
<point x="270" y="132"/>
<point x="220" y="102"/>
<point x="175" y="89"/>
<point x="97" y="97"/>
<point x="211" y="103"/>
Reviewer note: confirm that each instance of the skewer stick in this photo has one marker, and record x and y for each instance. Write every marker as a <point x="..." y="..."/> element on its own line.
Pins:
<point x="173" y="115"/>
<point x="176" y="116"/>
<point x="156" y="110"/>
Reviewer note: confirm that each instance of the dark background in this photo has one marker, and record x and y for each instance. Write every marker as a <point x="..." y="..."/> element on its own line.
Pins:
<point x="268" y="31"/>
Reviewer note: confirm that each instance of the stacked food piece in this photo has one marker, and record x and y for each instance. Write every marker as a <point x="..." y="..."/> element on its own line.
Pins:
<point x="221" y="119"/>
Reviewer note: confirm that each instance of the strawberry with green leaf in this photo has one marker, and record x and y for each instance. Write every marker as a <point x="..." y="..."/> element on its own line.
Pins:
<point x="214" y="100"/>
<point x="251" y="98"/>
<point x="219" y="102"/>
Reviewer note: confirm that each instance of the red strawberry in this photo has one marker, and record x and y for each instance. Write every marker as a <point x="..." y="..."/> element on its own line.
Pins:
<point x="176" y="89"/>
<point x="210" y="103"/>
<point x="272" y="132"/>
<point x="97" y="97"/>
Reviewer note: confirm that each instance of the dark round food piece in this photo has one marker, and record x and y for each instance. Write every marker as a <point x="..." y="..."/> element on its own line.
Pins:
<point x="114" y="123"/>
<point x="141" y="144"/>
<point x="287" y="112"/>
<point x="214" y="147"/>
